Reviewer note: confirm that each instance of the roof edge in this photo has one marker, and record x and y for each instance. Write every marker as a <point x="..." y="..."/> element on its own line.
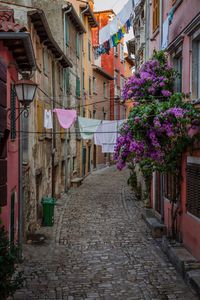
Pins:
<point x="102" y="72"/>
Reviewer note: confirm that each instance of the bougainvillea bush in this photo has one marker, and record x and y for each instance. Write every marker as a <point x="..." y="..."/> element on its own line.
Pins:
<point x="154" y="80"/>
<point x="156" y="135"/>
<point x="159" y="126"/>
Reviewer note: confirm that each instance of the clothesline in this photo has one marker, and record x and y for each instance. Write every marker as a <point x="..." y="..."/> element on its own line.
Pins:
<point x="112" y="34"/>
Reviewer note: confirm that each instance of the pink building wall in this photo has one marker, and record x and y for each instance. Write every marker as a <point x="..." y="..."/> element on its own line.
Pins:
<point x="12" y="150"/>
<point x="188" y="225"/>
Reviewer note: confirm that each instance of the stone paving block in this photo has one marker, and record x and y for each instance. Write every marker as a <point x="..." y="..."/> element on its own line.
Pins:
<point x="100" y="248"/>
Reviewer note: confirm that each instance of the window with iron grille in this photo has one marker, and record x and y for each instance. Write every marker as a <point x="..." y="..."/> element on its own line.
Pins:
<point x="156" y="14"/>
<point x="12" y="114"/>
<point x="193" y="187"/>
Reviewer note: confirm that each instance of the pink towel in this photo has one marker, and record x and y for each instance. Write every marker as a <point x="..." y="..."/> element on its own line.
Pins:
<point x="66" y="117"/>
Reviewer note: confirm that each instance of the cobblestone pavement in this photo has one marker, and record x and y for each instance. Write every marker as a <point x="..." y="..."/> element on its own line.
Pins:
<point x="100" y="248"/>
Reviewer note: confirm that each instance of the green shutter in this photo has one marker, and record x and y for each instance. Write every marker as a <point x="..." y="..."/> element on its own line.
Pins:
<point x="77" y="45"/>
<point x="66" y="81"/>
<point x="66" y="31"/>
<point x="12" y="113"/>
<point x="78" y="93"/>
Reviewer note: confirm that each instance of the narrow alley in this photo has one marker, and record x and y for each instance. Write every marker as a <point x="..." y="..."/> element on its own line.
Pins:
<point x="100" y="248"/>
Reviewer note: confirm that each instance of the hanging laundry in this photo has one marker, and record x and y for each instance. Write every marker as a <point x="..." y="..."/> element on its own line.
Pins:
<point x="104" y="34"/>
<point x="106" y="136"/>
<point x="120" y="34"/>
<point x="118" y="22"/>
<point x="126" y="12"/>
<point x="48" y="124"/>
<point x="128" y="26"/>
<point x="171" y="15"/>
<point x="66" y="117"/>
<point x="114" y="26"/>
<point x="165" y="34"/>
<point x="123" y="29"/>
<point x="88" y="127"/>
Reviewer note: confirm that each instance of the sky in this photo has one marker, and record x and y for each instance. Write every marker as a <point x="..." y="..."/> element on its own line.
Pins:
<point x="116" y="5"/>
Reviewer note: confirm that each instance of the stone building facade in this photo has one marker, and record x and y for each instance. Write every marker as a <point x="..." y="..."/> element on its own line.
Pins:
<point x="44" y="156"/>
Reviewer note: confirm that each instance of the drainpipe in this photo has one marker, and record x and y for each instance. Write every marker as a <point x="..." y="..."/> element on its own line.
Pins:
<point x="161" y="23"/>
<point x="82" y="92"/>
<point x="64" y="30"/>
<point x="147" y="27"/>
<point x="20" y="193"/>
<point x="66" y="134"/>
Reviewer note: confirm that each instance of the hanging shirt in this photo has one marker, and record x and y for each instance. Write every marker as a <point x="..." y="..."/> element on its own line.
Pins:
<point x="48" y="124"/>
<point x="66" y="117"/>
<point x="88" y="127"/>
<point x="165" y="34"/>
<point x="125" y="13"/>
<point x="104" y="34"/>
<point x="106" y="135"/>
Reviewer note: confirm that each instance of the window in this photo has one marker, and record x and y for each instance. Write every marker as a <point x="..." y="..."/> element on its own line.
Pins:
<point x="74" y="163"/>
<point x="121" y="53"/>
<point x="178" y="68"/>
<point x="45" y="61"/>
<point x="170" y="187"/>
<point x="156" y="14"/>
<point x="67" y="89"/>
<point x="12" y="114"/>
<point x="116" y="78"/>
<point x="90" y="86"/>
<point x="196" y="69"/>
<point x="89" y="50"/>
<point x="94" y="85"/>
<point x="121" y="82"/>
<point x="193" y="186"/>
<point x="66" y="31"/>
<point x="104" y="113"/>
<point x="105" y="90"/>
<point x="78" y="92"/>
<point x="77" y="45"/>
<point x="116" y="51"/>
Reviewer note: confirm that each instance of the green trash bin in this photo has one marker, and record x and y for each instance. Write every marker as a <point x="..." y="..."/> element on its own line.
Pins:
<point x="48" y="211"/>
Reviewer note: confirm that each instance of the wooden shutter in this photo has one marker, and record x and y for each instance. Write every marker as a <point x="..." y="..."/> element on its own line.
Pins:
<point x="193" y="189"/>
<point x="156" y="14"/>
<point x="40" y="118"/>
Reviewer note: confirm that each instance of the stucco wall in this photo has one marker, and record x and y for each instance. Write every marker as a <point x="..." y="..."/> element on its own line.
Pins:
<point x="12" y="151"/>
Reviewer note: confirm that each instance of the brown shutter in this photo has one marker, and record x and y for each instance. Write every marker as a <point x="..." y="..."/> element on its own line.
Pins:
<point x="193" y="189"/>
<point x="156" y="14"/>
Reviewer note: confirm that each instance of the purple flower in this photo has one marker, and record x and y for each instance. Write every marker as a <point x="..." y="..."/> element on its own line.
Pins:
<point x="166" y="93"/>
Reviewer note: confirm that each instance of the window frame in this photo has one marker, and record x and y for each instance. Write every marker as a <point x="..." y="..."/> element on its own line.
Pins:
<point x="195" y="76"/>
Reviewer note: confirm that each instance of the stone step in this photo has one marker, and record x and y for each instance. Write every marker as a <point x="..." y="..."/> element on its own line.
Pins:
<point x="76" y="182"/>
<point x="193" y="279"/>
<point x="157" y="229"/>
